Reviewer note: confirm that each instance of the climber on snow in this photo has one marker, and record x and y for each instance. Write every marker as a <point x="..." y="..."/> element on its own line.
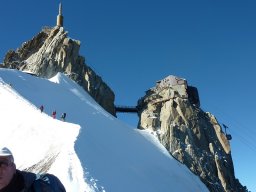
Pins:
<point x="41" y="108"/>
<point x="54" y="114"/>
<point x="63" y="116"/>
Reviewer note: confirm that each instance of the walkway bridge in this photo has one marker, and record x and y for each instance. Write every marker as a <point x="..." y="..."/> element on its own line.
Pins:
<point x="126" y="109"/>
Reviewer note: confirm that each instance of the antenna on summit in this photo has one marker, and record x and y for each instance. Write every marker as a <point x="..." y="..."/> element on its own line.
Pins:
<point x="60" y="17"/>
<point x="60" y="9"/>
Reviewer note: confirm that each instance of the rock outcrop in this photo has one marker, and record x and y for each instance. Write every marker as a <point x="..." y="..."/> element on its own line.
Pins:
<point x="171" y="111"/>
<point x="52" y="51"/>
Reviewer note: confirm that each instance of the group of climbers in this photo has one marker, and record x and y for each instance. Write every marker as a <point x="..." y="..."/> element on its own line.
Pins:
<point x="54" y="113"/>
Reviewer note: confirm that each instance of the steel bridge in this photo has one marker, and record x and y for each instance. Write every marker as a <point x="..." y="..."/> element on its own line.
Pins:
<point x="126" y="109"/>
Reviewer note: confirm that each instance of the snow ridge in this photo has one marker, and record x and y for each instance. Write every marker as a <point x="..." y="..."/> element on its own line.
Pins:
<point x="92" y="151"/>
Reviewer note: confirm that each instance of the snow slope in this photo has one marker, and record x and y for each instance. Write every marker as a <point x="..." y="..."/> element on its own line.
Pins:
<point x="92" y="151"/>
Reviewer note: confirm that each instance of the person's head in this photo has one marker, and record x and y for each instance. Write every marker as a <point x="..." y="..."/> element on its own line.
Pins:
<point x="7" y="167"/>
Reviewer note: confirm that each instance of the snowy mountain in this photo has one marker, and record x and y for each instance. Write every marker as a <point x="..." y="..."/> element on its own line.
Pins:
<point x="92" y="151"/>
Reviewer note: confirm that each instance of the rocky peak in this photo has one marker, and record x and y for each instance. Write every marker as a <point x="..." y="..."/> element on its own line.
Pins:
<point x="171" y="111"/>
<point x="52" y="51"/>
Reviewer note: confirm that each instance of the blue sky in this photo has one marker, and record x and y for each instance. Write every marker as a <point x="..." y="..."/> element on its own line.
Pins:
<point x="132" y="44"/>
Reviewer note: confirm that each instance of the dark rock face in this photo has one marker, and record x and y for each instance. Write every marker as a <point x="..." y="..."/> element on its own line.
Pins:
<point x="171" y="111"/>
<point x="50" y="52"/>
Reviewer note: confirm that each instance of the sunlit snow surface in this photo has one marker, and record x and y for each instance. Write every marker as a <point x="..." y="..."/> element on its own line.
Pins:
<point x="92" y="150"/>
